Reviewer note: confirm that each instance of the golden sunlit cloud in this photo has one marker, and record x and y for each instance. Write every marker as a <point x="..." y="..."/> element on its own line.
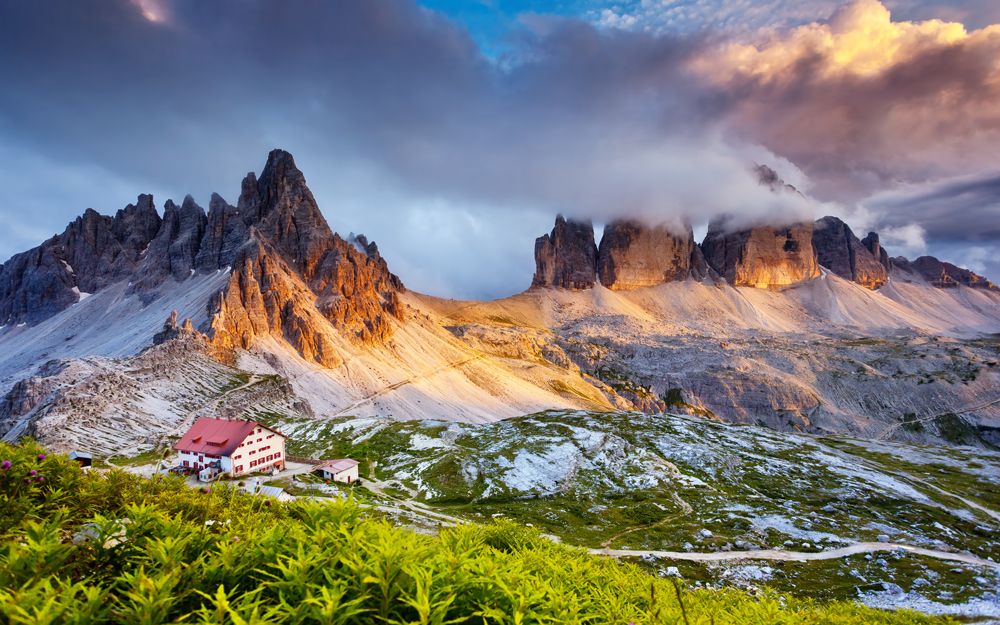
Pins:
<point x="859" y="39"/>
<point x="861" y="102"/>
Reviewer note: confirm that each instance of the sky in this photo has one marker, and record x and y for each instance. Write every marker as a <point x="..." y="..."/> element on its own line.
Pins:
<point x="452" y="132"/>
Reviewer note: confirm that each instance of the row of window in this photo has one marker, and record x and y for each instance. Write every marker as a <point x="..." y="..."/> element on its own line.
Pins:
<point x="259" y="462"/>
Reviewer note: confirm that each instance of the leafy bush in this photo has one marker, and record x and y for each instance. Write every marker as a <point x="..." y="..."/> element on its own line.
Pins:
<point x="116" y="548"/>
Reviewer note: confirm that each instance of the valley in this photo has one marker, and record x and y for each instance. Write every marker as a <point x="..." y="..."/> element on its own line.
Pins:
<point x="775" y="408"/>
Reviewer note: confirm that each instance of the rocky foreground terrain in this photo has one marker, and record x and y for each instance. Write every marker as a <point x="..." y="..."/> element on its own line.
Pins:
<point x="117" y="330"/>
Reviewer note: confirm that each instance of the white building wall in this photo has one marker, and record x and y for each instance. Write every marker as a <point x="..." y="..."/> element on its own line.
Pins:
<point x="265" y="447"/>
<point x="350" y="475"/>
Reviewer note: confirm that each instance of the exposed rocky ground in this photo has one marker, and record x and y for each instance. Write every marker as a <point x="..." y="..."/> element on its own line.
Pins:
<point x="124" y="406"/>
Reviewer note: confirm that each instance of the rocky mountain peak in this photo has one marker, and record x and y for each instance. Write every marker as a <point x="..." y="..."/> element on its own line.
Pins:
<point x="840" y="251"/>
<point x="281" y="207"/>
<point x="874" y="245"/>
<point x="769" y="178"/>
<point x="945" y="275"/>
<point x="566" y="257"/>
<point x="761" y="256"/>
<point x="634" y="255"/>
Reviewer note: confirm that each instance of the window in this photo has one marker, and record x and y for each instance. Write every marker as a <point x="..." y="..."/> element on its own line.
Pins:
<point x="186" y="463"/>
<point x="239" y="469"/>
<point x="277" y="454"/>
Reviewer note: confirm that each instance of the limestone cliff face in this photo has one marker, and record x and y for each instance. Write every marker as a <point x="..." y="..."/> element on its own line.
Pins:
<point x="761" y="256"/>
<point x="172" y="252"/>
<point x="292" y="276"/>
<point x="350" y="285"/>
<point x="945" y="275"/>
<point x="633" y="255"/>
<point x="567" y="257"/>
<point x="874" y="245"/>
<point x="265" y="297"/>
<point x="844" y="254"/>
<point x="94" y="251"/>
<point x="225" y="234"/>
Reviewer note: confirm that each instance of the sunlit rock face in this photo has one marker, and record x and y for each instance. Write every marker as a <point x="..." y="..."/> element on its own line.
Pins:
<point x="844" y="254"/>
<point x="566" y="258"/>
<point x="290" y="275"/>
<point x="761" y="256"/>
<point x="294" y="274"/>
<point x="633" y="255"/>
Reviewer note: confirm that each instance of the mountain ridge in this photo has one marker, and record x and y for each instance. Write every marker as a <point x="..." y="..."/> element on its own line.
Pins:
<point x="271" y="290"/>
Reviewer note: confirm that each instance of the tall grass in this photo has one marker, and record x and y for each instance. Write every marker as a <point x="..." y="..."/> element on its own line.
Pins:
<point x="115" y="548"/>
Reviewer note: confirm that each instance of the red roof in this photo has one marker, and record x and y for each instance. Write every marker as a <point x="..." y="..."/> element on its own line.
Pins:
<point x="219" y="437"/>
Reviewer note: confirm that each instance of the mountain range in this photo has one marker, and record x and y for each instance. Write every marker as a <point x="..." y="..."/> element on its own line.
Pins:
<point x="115" y="333"/>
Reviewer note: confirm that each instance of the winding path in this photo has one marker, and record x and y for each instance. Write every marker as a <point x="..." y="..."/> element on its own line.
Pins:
<point x="798" y="556"/>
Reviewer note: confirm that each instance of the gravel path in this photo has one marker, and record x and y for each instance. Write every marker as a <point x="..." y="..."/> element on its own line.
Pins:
<point x="798" y="556"/>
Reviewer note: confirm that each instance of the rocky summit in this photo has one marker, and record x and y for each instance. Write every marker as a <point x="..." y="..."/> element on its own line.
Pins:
<point x="846" y="255"/>
<point x="94" y="251"/>
<point x="633" y="255"/>
<point x="762" y="256"/>
<point x="566" y="257"/>
<point x="941" y="274"/>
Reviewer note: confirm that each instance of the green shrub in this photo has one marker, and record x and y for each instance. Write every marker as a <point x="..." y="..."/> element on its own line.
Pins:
<point x="123" y="549"/>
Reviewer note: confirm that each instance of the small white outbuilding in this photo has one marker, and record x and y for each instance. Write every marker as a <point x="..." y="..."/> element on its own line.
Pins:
<point x="339" y="470"/>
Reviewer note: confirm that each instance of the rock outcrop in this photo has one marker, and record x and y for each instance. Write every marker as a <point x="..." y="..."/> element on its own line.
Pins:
<point x="840" y="251"/>
<point x="294" y="255"/>
<point x="874" y="245"/>
<point x="93" y="252"/>
<point x="633" y="255"/>
<point x="761" y="256"/>
<point x="225" y="234"/>
<point x="769" y="178"/>
<point x="942" y="274"/>
<point x="171" y="254"/>
<point x="566" y="258"/>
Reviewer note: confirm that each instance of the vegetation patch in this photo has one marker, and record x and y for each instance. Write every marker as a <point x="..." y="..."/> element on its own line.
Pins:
<point x="115" y="548"/>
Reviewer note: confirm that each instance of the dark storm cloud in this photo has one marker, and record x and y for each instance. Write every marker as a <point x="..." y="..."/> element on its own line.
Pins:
<point x="452" y="161"/>
<point x="966" y="210"/>
<point x="392" y="112"/>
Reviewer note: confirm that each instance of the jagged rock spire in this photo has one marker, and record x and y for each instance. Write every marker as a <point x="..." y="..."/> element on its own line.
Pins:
<point x="567" y="257"/>
<point x="840" y="251"/>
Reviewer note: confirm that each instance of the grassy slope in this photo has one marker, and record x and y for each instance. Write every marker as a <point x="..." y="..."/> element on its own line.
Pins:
<point x="116" y="548"/>
<point x="646" y="482"/>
